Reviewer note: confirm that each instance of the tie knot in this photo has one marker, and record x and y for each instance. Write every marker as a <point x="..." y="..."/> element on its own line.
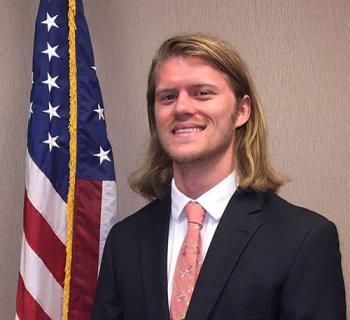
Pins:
<point x="195" y="213"/>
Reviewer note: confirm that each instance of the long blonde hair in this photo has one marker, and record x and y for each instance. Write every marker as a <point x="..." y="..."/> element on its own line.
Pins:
<point x="153" y="179"/>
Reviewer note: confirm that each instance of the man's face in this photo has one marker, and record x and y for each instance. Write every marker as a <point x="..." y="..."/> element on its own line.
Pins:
<point x="195" y="111"/>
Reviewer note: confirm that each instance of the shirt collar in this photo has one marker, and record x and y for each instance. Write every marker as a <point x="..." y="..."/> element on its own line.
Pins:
<point x="214" y="201"/>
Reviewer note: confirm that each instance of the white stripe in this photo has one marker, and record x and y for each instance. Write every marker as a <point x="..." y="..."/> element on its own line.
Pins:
<point x="40" y="283"/>
<point x="17" y="318"/>
<point x="108" y="213"/>
<point x="45" y="199"/>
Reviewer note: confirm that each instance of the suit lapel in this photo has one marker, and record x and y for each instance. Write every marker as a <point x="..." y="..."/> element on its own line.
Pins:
<point x="236" y="227"/>
<point x="153" y="261"/>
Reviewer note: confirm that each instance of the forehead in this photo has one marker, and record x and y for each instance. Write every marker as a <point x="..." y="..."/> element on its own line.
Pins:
<point x="187" y="69"/>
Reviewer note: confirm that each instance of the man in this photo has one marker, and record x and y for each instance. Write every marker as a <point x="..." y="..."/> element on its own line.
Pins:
<point x="216" y="242"/>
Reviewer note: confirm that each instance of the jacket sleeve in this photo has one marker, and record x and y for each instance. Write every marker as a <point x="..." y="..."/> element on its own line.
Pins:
<point x="107" y="303"/>
<point x="314" y="288"/>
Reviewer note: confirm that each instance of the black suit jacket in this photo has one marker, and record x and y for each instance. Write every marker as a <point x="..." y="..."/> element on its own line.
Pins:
<point x="268" y="259"/>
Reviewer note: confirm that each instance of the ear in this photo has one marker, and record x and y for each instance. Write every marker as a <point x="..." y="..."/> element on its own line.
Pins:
<point x="243" y="112"/>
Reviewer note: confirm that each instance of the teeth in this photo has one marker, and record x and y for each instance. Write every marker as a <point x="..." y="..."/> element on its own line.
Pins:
<point x="185" y="130"/>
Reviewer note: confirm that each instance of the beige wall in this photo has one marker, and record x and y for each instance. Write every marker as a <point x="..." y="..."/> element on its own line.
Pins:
<point x="298" y="52"/>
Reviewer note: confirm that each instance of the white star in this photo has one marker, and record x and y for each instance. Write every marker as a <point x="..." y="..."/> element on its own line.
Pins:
<point x="52" y="111"/>
<point x="32" y="77"/>
<point x="100" y="110"/>
<point x="51" y="82"/>
<point x="51" y="51"/>
<point x="50" y="22"/>
<point x="51" y="141"/>
<point x="31" y="109"/>
<point x="103" y="155"/>
<point x="93" y="67"/>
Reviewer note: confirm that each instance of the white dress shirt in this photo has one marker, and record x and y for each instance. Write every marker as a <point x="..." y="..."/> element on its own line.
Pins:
<point x="214" y="201"/>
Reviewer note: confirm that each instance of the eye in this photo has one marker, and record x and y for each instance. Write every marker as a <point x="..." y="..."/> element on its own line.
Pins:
<point x="168" y="97"/>
<point x="202" y="94"/>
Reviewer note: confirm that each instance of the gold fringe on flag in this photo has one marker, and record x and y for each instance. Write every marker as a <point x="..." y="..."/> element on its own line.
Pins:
<point x="72" y="152"/>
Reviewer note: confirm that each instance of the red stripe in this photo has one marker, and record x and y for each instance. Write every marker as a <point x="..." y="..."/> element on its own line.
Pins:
<point x="86" y="236"/>
<point x="44" y="241"/>
<point x="26" y="306"/>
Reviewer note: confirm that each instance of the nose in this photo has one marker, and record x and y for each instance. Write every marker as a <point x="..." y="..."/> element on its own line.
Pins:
<point x="184" y="106"/>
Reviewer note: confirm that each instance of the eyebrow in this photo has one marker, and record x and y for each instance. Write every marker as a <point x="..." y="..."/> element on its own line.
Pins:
<point x="206" y="85"/>
<point x="165" y="89"/>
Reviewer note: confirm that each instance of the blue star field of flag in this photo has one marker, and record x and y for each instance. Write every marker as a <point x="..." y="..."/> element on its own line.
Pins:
<point x="48" y="135"/>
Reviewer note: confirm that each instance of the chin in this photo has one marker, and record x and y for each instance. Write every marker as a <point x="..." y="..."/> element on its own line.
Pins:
<point x="200" y="155"/>
<point x="190" y="157"/>
<point x="183" y="153"/>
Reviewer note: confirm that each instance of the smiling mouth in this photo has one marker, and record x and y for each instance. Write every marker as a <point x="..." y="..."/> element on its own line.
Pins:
<point x="187" y="130"/>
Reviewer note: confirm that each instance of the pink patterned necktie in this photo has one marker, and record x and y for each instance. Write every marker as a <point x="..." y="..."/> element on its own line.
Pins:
<point x="188" y="262"/>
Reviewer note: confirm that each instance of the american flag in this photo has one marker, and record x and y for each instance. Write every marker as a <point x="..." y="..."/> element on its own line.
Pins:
<point x="70" y="197"/>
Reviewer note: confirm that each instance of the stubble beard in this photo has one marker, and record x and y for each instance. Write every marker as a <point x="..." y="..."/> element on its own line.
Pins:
<point x="208" y="153"/>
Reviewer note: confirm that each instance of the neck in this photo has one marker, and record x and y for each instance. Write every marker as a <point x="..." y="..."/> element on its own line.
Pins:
<point x="194" y="179"/>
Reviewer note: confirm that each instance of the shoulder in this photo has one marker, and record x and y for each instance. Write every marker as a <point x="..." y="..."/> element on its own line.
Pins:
<point x="294" y="221"/>
<point x="141" y="219"/>
<point x="279" y="206"/>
